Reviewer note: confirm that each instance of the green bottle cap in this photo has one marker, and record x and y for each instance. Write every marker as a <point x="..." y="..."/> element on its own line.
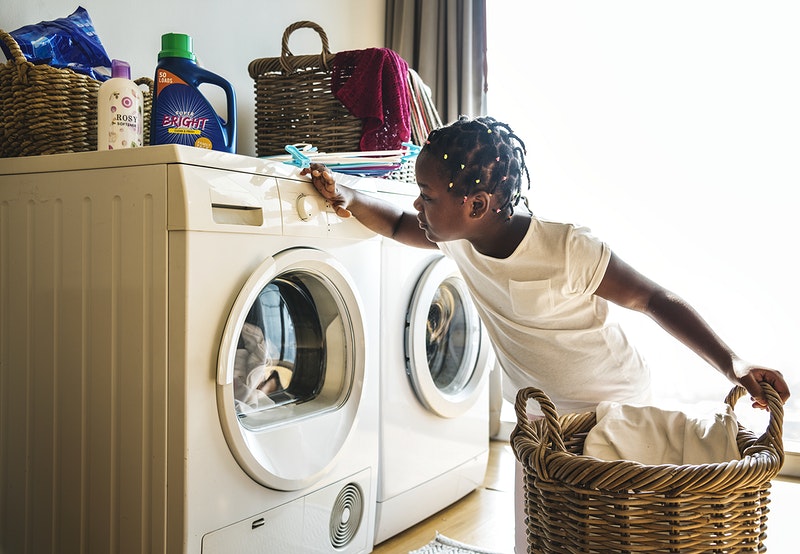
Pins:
<point x="176" y="45"/>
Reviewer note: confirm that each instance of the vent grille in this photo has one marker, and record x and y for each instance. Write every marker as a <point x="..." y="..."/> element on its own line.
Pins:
<point x="346" y="515"/>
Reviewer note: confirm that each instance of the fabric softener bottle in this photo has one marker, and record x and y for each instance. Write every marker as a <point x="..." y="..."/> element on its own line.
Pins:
<point x="120" y="106"/>
<point x="181" y="114"/>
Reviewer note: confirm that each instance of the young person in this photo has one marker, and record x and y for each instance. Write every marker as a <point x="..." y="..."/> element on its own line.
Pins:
<point x="541" y="288"/>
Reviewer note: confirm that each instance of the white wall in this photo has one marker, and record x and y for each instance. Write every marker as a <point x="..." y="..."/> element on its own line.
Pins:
<point x="672" y="129"/>
<point x="227" y="34"/>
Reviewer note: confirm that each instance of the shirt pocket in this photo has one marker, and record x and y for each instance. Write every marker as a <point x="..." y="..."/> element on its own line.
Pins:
<point x="531" y="298"/>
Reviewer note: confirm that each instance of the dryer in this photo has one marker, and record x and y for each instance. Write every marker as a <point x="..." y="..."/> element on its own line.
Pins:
<point x="434" y="398"/>
<point x="189" y="358"/>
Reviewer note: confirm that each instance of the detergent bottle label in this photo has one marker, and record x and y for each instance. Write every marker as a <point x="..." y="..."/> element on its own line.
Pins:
<point x="184" y="116"/>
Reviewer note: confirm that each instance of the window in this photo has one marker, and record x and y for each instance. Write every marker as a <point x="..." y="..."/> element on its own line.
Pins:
<point x="672" y="130"/>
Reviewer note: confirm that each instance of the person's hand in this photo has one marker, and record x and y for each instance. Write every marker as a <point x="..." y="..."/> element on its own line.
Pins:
<point x="751" y="377"/>
<point x="323" y="181"/>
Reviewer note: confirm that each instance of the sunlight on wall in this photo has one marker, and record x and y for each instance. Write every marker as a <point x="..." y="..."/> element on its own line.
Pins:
<point x="672" y="130"/>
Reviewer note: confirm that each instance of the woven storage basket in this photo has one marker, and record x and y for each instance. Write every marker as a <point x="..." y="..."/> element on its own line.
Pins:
<point x="295" y="104"/>
<point x="576" y="503"/>
<point x="48" y="110"/>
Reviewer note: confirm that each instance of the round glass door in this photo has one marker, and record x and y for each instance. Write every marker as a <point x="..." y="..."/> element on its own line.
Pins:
<point x="446" y="347"/>
<point x="290" y="369"/>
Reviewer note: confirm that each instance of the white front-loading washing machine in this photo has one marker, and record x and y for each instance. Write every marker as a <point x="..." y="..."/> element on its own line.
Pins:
<point x="189" y="358"/>
<point x="434" y="401"/>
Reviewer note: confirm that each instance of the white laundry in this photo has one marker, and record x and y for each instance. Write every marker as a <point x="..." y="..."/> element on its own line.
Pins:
<point x="240" y="368"/>
<point x="248" y="399"/>
<point x="697" y="434"/>
<point x="253" y="338"/>
<point x="249" y="370"/>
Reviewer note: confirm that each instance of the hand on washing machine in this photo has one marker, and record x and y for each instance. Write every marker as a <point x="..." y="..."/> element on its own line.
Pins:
<point x="322" y="179"/>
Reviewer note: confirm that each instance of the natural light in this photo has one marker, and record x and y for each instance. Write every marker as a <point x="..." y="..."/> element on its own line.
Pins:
<point x="672" y="130"/>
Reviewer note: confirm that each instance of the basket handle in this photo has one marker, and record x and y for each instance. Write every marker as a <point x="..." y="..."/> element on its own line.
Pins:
<point x="286" y="53"/>
<point x="16" y="51"/>
<point x="773" y="434"/>
<point x="552" y="428"/>
<point x="146" y="81"/>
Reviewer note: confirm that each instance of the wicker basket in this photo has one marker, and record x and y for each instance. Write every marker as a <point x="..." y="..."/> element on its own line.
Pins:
<point x="295" y="104"/>
<point x="48" y="110"/>
<point x="576" y="503"/>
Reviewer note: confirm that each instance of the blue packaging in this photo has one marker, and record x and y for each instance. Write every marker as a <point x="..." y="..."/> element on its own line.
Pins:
<point x="180" y="113"/>
<point x="67" y="42"/>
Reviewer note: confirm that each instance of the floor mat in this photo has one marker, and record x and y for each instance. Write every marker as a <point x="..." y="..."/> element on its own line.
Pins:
<point x="444" y="545"/>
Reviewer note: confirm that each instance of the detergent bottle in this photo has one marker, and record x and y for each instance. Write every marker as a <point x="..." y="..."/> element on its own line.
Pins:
<point x="181" y="114"/>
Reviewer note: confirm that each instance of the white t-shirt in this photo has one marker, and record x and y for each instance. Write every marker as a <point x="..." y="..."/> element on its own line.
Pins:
<point x="548" y="328"/>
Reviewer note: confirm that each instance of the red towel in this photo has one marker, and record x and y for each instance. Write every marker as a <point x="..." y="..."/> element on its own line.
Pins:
<point x="373" y="85"/>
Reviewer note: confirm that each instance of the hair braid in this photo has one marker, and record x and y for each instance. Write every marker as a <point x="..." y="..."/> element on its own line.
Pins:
<point x="482" y="154"/>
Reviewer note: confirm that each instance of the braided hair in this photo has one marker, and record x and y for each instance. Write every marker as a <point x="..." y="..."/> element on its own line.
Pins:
<point x="481" y="154"/>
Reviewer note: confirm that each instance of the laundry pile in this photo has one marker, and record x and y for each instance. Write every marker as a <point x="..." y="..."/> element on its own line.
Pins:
<point x="257" y="383"/>
<point x="702" y="433"/>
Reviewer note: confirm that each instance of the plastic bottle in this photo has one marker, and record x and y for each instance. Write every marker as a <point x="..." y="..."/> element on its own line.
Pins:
<point x="119" y="110"/>
<point x="181" y="114"/>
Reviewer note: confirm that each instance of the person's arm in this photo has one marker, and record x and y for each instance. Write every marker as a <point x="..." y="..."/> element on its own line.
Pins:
<point x="381" y="217"/>
<point x="626" y="287"/>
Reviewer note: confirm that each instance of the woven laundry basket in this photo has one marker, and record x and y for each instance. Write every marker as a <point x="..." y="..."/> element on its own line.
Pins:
<point x="295" y="103"/>
<point x="49" y="110"/>
<point x="576" y="503"/>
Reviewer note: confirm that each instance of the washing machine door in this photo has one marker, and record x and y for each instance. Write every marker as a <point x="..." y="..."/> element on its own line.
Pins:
<point x="291" y="369"/>
<point x="448" y="353"/>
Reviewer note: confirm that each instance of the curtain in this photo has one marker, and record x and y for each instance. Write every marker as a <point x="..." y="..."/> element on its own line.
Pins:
<point x="445" y="42"/>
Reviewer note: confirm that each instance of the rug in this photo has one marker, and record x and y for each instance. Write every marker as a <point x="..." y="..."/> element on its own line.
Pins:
<point x="444" y="545"/>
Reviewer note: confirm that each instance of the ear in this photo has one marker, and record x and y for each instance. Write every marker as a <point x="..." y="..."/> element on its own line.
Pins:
<point x="480" y="203"/>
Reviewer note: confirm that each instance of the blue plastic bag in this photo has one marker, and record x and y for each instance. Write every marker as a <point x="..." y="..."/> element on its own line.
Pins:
<point x="69" y="42"/>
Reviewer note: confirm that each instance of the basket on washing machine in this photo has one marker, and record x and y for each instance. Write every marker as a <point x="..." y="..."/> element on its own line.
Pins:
<point x="577" y="503"/>
<point x="50" y="110"/>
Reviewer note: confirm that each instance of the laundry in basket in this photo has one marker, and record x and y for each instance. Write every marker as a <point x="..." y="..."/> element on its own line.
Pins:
<point x="703" y="433"/>
<point x="579" y="503"/>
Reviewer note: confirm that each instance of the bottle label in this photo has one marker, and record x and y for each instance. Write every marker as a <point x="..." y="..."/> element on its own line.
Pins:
<point x="125" y="118"/>
<point x="183" y="115"/>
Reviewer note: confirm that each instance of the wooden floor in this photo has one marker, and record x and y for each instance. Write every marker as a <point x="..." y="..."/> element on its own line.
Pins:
<point x="483" y="518"/>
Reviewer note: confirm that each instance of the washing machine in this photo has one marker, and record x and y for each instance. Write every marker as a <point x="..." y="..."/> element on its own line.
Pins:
<point x="434" y="399"/>
<point x="189" y="358"/>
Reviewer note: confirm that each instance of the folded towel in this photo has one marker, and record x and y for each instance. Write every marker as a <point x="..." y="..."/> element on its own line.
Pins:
<point x="373" y="85"/>
<point x="698" y="434"/>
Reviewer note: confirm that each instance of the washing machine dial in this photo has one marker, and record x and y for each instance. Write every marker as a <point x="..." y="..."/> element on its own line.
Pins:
<point x="305" y="207"/>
